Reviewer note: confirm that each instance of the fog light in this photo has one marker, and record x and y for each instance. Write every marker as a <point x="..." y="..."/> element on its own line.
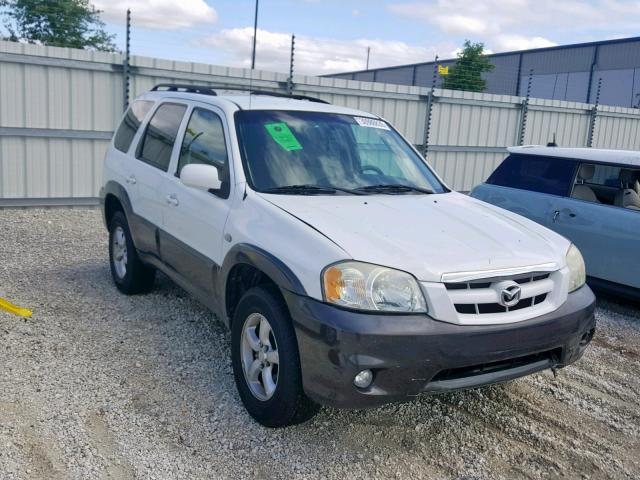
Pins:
<point x="363" y="379"/>
<point x="587" y="337"/>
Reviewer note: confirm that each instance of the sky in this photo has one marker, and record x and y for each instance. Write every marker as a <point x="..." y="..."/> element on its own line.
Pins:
<point x="333" y="35"/>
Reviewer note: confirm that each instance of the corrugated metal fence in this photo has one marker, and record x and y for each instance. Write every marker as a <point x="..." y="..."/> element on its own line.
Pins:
<point x="59" y="106"/>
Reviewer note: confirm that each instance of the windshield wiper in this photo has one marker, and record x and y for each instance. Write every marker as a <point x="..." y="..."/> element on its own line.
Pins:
<point x="309" y="189"/>
<point x="393" y="188"/>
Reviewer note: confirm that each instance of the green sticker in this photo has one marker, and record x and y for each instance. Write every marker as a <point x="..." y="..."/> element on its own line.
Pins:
<point x="283" y="136"/>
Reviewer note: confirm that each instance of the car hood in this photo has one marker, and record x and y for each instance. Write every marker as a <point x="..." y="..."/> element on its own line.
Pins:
<point x="426" y="235"/>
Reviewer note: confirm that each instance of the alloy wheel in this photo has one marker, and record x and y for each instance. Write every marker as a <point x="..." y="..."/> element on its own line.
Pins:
<point x="119" y="251"/>
<point x="260" y="361"/>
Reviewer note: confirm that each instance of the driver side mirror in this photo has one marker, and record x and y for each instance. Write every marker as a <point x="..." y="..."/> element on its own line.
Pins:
<point x="200" y="176"/>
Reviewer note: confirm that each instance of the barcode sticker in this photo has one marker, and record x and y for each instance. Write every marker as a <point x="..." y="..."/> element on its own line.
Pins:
<point x="371" y="123"/>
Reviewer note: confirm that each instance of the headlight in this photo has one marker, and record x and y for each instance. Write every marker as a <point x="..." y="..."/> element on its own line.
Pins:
<point x="577" y="272"/>
<point x="364" y="286"/>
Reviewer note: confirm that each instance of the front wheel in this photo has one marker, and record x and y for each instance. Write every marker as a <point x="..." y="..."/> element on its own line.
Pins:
<point x="266" y="363"/>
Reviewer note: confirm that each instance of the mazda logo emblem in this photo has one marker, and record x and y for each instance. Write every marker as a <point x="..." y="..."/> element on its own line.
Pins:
<point x="510" y="295"/>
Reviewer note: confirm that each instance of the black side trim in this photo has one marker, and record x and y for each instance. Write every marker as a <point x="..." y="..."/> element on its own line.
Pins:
<point x="197" y="269"/>
<point x="270" y="265"/>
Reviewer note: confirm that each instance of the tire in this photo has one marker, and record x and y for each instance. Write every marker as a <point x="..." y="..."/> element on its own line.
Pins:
<point x="287" y="403"/>
<point x="134" y="277"/>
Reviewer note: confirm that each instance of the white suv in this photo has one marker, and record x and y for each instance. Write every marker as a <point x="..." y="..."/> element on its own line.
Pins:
<point x="348" y="273"/>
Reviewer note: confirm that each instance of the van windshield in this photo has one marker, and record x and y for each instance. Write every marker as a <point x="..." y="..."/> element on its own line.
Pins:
<point x="293" y="152"/>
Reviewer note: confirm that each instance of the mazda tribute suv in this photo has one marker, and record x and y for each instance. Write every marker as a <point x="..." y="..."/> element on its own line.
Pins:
<point x="348" y="273"/>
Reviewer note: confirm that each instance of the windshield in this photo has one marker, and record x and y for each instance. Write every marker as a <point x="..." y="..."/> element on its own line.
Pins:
<point x="318" y="152"/>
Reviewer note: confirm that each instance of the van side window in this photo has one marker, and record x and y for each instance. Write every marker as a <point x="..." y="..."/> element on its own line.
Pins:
<point x="157" y="143"/>
<point x="536" y="173"/>
<point x="130" y="124"/>
<point x="608" y="184"/>
<point x="204" y="142"/>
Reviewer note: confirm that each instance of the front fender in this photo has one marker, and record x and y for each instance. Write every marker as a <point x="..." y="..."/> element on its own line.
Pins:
<point x="269" y="264"/>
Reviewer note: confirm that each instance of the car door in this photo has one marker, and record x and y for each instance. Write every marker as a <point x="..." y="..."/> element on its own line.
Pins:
<point x="120" y="161"/>
<point x="606" y="234"/>
<point x="194" y="220"/>
<point x="529" y="185"/>
<point x="154" y="153"/>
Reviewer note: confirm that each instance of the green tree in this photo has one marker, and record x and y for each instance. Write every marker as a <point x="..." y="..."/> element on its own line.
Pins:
<point x="466" y="73"/>
<point x="59" y="23"/>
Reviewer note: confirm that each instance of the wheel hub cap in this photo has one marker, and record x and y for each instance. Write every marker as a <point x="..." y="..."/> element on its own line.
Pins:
<point x="259" y="352"/>
<point x="119" y="252"/>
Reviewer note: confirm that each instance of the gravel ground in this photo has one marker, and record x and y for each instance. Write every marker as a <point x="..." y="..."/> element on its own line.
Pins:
<point x="100" y="385"/>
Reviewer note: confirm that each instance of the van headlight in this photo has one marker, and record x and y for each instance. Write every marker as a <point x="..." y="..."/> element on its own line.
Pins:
<point x="577" y="271"/>
<point x="363" y="286"/>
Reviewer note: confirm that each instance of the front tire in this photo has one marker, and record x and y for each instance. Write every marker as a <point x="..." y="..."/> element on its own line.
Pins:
<point x="130" y="275"/>
<point x="266" y="362"/>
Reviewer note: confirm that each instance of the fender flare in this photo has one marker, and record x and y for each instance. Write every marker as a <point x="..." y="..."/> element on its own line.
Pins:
<point x="114" y="188"/>
<point x="269" y="264"/>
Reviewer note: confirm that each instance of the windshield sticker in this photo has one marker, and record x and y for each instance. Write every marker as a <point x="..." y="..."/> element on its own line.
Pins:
<point x="371" y="123"/>
<point x="283" y="136"/>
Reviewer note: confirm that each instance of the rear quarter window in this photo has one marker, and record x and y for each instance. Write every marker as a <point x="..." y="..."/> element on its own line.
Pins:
<point x="536" y="173"/>
<point x="130" y="124"/>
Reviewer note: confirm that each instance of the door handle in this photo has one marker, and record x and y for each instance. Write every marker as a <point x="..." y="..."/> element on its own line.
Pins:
<point x="131" y="180"/>
<point x="556" y="214"/>
<point x="173" y="200"/>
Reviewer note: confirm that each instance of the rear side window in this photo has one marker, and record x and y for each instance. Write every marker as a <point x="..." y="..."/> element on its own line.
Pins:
<point x="536" y="173"/>
<point x="156" y="145"/>
<point x="130" y="124"/>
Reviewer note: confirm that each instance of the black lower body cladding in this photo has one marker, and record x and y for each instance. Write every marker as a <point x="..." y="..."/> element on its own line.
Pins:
<point x="414" y="354"/>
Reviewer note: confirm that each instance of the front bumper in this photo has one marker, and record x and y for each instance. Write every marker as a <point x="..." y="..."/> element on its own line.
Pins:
<point x="414" y="354"/>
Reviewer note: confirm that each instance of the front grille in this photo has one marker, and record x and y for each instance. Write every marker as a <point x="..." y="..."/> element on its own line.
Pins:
<point x="464" y="294"/>
<point x="470" y="308"/>
<point x="553" y="356"/>
<point x="484" y="284"/>
<point x="465" y="285"/>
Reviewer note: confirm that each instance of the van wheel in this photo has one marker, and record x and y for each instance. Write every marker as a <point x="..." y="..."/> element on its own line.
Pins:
<point x="130" y="275"/>
<point x="266" y="363"/>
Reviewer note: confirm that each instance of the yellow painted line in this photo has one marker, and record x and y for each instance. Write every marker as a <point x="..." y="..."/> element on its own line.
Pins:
<point x="16" y="310"/>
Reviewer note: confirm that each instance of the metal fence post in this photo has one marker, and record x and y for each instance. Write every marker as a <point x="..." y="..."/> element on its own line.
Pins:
<point x="524" y="111"/>
<point x="594" y="115"/>
<point x="290" y="79"/>
<point x="430" y="101"/>
<point x="125" y="62"/>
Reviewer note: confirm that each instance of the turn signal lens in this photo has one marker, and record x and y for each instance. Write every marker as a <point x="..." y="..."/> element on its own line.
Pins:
<point x="333" y="284"/>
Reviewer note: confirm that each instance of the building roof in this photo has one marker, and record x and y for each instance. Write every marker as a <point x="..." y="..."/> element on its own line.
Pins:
<point x="494" y="55"/>
<point x="624" y="157"/>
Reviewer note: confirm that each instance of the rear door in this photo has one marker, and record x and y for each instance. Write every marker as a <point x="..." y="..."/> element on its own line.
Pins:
<point x="606" y="234"/>
<point x="119" y="162"/>
<point x="194" y="219"/>
<point x="154" y="153"/>
<point x="529" y="185"/>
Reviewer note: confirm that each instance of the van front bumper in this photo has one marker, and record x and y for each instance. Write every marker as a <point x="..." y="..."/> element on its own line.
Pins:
<point x="414" y="354"/>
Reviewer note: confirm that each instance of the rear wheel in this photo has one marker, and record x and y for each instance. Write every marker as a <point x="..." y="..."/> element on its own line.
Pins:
<point x="127" y="270"/>
<point x="266" y="363"/>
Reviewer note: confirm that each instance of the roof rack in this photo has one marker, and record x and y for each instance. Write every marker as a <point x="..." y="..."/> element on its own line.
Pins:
<point x="177" y="87"/>
<point x="274" y="94"/>
<point x="286" y="95"/>
<point x="207" y="90"/>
